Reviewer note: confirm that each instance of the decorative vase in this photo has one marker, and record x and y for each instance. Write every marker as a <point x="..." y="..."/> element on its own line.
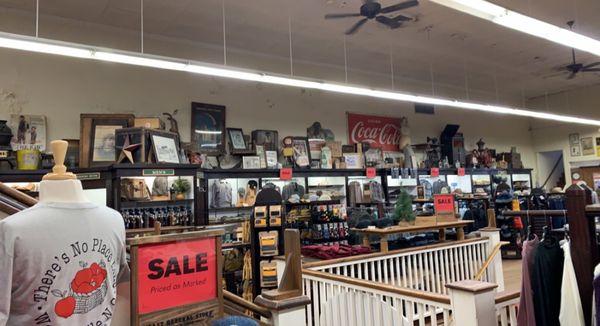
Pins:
<point x="180" y="196"/>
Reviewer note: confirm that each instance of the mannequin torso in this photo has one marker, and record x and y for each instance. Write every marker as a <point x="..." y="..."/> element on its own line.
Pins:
<point x="62" y="191"/>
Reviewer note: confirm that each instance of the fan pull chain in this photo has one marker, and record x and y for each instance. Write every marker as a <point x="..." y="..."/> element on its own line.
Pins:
<point x="142" y="26"/>
<point x="224" y="35"/>
<point x="345" y="60"/>
<point x="37" y="18"/>
<point x="392" y="66"/>
<point x="290" y="36"/>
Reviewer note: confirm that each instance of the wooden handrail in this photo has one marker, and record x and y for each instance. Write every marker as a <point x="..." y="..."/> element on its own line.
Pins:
<point x="17" y="195"/>
<point x="488" y="261"/>
<point x="389" y="253"/>
<point x="506" y="296"/>
<point x="228" y="296"/>
<point x="439" y="298"/>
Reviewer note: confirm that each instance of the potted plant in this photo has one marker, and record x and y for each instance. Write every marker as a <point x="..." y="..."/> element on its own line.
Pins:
<point x="181" y="187"/>
<point x="403" y="212"/>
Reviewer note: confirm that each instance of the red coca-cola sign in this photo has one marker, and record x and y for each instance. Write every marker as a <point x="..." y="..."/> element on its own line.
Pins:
<point x="379" y="132"/>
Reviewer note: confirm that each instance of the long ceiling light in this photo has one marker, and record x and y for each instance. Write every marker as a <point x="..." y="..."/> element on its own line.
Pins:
<point x="514" y="20"/>
<point x="32" y="44"/>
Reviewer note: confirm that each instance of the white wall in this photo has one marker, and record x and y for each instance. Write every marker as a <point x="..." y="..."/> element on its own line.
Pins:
<point x="62" y="88"/>
<point x="552" y="136"/>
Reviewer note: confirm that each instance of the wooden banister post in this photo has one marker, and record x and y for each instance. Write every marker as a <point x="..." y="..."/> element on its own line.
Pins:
<point x="584" y="249"/>
<point x="495" y="269"/>
<point x="473" y="303"/>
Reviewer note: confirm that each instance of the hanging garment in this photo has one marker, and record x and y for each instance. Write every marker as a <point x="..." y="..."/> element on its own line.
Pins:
<point x="526" y="315"/>
<point x="546" y="279"/>
<point x="354" y="193"/>
<point x="571" y="313"/>
<point x="596" y="305"/>
<point x="221" y="194"/>
<point x="292" y="188"/>
<point x="376" y="189"/>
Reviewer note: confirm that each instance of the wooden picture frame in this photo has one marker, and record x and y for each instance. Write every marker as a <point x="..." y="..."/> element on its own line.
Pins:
<point x="208" y="128"/>
<point x="267" y="138"/>
<point x="301" y="150"/>
<point x="92" y="126"/>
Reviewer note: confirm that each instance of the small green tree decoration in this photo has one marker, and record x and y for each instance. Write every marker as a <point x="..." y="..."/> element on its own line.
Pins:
<point x="403" y="211"/>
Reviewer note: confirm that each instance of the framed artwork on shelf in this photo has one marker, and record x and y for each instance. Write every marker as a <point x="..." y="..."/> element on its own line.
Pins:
<point x="251" y="162"/>
<point x="97" y="137"/>
<point x="165" y="148"/>
<point x="208" y="128"/>
<point x="301" y="152"/>
<point x="236" y="140"/>
<point x="575" y="150"/>
<point x="587" y="146"/>
<point x="29" y="132"/>
<point x="267" y="138"/>
<point x="260" y="152"/>
<point x="271" y="157"/>
<point x="353" y="160"/>
<point x="574" y="139"/>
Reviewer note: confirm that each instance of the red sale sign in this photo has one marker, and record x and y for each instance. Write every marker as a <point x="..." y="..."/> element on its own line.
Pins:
<point x="371" y="172"/>
<point x="285" y="174"/>
<point x="461" y="172"/>
<point x="379" y="132"/>
<point x="443" y="204"/>
<point x="176" y="273"/>
<point x="435" y="172"/>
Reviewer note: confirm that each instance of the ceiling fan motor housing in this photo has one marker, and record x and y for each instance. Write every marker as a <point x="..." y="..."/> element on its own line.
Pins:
<point x="370" y="9"/>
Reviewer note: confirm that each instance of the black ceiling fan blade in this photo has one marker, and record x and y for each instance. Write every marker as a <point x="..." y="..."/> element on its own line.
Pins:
<point x="388" y="21"/>
<point x="572" y="75"/>
<point x="356" y="26"/>
<point x="591" y="69"/>
<point x="399" y="6"/>
<point x="402" y="18"/>
<point x="334" y="16"/>
<point x="591" y="65"/>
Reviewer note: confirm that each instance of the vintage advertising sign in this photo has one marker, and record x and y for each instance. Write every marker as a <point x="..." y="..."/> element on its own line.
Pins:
<point x="174" y="274"/>
<point x="443" y="204"/>
<point x="379" y="132"/>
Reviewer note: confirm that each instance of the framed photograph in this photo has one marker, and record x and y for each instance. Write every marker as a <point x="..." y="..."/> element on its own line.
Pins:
<point x="315" y="148"/>
<point x="97" y="137"/>
<point x="575" y="150"/>
<point x="165" y="149"/>
<point x="573" y="139"/>
<point x="72" y="156"/>
<point x="301" y="152"/>
<point x="271" y="159"/>
<point x="251" y="162"/>
<point x="353" y="160"/>
<point x="260" y="152"/>
<point x="29" y="132"/>
<point x="236" y="139"/>
<point x="374" y="157"/>
<point x="587" y="146"/>
<point x="267" y="138"/>
<point x="208" y="128"/>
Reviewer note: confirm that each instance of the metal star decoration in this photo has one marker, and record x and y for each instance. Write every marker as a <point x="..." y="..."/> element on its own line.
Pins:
<point x="128" y="150"/>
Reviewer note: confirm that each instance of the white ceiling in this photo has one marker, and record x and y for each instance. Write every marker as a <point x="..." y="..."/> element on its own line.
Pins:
<point x="457" y="45"/>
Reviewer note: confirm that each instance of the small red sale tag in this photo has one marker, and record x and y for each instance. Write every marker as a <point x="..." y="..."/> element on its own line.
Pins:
<point x="371" y="173"/>
<point x="285" y="174"/>
<point x="461" y="172"/>
<point x="435" y="172"/>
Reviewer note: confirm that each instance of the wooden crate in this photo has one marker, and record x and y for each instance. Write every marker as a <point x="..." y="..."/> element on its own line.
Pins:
<point x="142" y="136"/>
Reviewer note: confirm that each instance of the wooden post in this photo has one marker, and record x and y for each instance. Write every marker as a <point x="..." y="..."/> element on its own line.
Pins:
<point x="496" y="271"/>
<point x="491" y="215"/>
<point x="583" y="244"/>
<point x="473" y="303"/>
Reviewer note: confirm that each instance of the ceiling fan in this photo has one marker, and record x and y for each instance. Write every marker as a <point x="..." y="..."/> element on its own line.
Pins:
<point x="575" y="68"/>
<point x="373" y="10"/>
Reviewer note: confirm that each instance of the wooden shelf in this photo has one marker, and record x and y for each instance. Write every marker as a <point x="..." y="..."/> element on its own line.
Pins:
<point x="157" y="203"/>
<point x="315" y="203"/>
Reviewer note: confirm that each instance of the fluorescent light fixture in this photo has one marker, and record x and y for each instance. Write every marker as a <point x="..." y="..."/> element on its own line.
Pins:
<point x="32" y="44"/>
<point x="208" y="132"/>
<point x="514" y="20"/>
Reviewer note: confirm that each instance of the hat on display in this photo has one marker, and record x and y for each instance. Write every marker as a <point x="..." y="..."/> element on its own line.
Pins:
<point x="458" y="191"/>
<point x="556" y="190"/>
<point x="504" y="197"/>
<point x="480" y="191"/>
<point x="294" y="198"/>
<point x="313" y="197"/>
<point x="324" y="197"/>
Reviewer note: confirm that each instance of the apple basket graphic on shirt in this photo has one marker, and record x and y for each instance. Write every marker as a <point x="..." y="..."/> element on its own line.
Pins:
<point x="86" y="291"/>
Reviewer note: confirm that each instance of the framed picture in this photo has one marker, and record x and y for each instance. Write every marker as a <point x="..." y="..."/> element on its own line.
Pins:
<point x="251" y="162"/>
<point x="208" y="128"/>
<point x="165" y="149"/>
<point x="575" y="150"/>
<point x="236" y="139"/>
<point x="315" y="148"/>
<point x="374" y="157"/>
<point x="353" y="160"/>
<point x="573" y="139"/>
<point x="97" y="137"/>
<point x="271" y="157"/>
<point x="267" y="138"/>
<point x="72" y="156"/>
<point x="587" y="146"/>
<point x="301" y="152"/>
<point x="260" y="152"/>
<point x="29" y="132"/>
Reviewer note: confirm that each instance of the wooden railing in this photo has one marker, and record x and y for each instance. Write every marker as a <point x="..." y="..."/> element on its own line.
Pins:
<point x="427" y="268"/>
<point x="506" y="308"/>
